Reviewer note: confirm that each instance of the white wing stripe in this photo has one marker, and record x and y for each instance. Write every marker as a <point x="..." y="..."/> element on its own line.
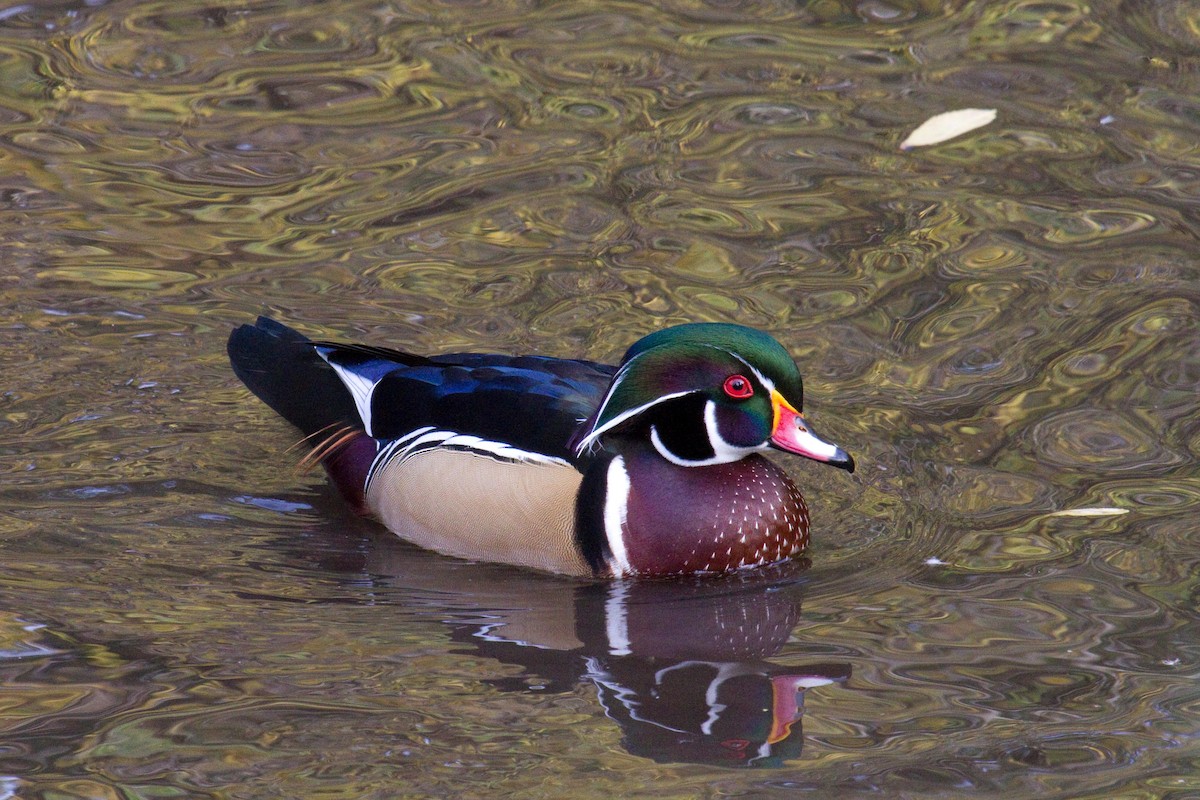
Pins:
<point x="425" y="439"/>
<point x="360" y="388"/>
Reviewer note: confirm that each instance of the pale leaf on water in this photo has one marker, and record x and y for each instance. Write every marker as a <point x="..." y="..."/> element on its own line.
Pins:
<point x="941" y="127"/>
<point x="1100" y="511"/>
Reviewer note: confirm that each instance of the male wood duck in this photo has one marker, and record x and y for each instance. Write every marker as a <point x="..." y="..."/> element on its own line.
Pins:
<point x="649" y="468"/>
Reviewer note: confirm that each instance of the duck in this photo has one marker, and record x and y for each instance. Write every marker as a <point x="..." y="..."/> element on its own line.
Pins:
<point x="650" y="468"/>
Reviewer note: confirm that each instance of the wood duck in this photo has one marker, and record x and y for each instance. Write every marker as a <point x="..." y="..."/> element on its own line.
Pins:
<point x="649" y="468"/>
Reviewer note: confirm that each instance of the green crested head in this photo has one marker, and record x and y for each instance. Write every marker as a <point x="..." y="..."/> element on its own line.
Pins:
<point x="754" y="347"/>
<point x="707" y="393"/>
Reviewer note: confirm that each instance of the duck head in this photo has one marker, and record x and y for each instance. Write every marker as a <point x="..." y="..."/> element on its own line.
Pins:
<point x="708" y="393"/>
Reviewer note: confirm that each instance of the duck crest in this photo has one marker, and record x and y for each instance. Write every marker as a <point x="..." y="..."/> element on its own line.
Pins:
<point x="657" y="518"/>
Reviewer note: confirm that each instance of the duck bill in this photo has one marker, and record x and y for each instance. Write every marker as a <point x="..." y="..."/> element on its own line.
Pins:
<point x="792" y="434"/>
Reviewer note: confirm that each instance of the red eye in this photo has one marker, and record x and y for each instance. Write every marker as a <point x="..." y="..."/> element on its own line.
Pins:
<point x="737" y="387"/>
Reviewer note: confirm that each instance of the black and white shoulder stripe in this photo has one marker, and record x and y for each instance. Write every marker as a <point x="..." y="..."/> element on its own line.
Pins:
<point x="428" y="439"/>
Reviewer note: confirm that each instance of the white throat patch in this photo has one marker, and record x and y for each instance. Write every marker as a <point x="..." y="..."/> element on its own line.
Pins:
<point x="723" y="451"/>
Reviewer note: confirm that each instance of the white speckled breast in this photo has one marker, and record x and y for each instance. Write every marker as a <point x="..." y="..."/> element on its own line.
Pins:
<point x="710" y="519"/>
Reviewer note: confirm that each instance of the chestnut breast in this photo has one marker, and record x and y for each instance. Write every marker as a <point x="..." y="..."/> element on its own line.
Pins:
<point x="713" y="518"/>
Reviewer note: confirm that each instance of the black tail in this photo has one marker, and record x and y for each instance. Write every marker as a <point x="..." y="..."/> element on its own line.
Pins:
<point x="283" y="369"/>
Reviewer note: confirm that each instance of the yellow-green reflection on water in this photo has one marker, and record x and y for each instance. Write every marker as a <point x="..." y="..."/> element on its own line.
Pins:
<point x="1001" y="327"/>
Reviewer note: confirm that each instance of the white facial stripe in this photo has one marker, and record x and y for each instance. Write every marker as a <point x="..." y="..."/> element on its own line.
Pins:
<point x="360" y="388"/>
<point x="723" y="451"/>
<point x="763" y="379"/>
<point x="616" y="381"/>
<point x="657" y="441"/>
<point x="767" y="382"/>
<point x="616" y="511"/>
<point x="617" y="420"/>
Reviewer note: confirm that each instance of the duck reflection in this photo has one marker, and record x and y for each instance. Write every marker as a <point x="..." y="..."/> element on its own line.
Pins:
<point x="681" y="666"/>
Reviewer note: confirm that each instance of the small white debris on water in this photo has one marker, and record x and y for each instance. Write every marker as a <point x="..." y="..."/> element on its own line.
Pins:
<point x="934" y="561"/>
<point x="941" y="127"/>
<point x="1171" y="662"/>
<point x="1098" y="511"/>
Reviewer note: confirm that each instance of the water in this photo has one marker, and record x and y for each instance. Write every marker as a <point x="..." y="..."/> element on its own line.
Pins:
<point x="1001" y="328"/>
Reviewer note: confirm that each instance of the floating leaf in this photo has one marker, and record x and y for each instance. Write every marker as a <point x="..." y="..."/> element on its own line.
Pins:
<point x="945" y="126"/>
<point x="1100" y="511"/>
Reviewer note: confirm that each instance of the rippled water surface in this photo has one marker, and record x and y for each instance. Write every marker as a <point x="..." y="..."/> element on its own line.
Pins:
<point x="1002" y="328"/>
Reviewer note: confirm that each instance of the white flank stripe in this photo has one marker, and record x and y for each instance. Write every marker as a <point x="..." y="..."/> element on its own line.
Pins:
<point x="482" y="446"/>
<point x="384" y="455"/>
<point x="427" y="439"/>
<point x="616" y="621"/>
<point x="616" y="510"/>
<point x="408" y="437"/>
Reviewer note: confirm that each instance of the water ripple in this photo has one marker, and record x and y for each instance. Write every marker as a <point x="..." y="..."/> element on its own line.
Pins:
<point x="1002" y="328"/>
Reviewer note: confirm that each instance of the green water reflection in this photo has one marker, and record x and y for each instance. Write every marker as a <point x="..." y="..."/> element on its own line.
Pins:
<point x="1002" y="327"/>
